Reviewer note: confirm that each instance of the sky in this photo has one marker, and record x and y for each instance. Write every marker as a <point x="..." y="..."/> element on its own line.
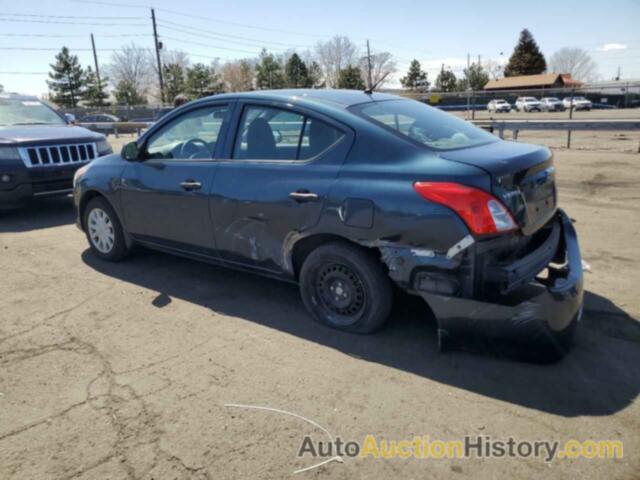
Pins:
<point x="435" y="33"/>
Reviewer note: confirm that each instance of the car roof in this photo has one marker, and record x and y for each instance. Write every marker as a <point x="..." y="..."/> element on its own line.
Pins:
<point x="333" y="97"/>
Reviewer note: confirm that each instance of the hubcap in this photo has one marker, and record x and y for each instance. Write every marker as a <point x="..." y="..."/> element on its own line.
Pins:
<point x="101" y="230"/>
<point x="340" y="292"/>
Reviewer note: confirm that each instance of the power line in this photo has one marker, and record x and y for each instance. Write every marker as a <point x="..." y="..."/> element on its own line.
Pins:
<point x="44" y="35"/>
<point x="60" y="22"/>
<point x="208" y="45"/>
<point x="93" y="17"/>
<point x="190" y="30"/>
<point x="24" y="73"/>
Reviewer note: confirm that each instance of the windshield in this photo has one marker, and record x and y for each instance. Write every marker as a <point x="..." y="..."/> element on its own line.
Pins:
<point x="500" y="101"/>
<point x="423" y="124"/>
<point x="530" y="99"/>
<point x="581" y="99"/>
<point x="27" y="112"/>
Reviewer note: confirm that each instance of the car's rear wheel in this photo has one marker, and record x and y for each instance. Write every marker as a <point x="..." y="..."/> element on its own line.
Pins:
<point x="346" y="287"/>
<point x="104" y="231"/>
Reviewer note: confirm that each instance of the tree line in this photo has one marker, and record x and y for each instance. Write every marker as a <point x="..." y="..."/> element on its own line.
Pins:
<point x="132" y="76"/>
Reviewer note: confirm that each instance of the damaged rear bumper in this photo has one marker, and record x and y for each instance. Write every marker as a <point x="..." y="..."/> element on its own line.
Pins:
<point x="541" y="310"/>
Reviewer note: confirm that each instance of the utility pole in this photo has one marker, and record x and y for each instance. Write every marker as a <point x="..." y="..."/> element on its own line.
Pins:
<point x="155" y="38"/>
<point x="369" y="67"/>
<point x="95" y="61"/>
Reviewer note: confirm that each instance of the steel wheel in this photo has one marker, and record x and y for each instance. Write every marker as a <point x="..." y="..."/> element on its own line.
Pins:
<point x="341" y="293"/>
<point x="101" y="230"/>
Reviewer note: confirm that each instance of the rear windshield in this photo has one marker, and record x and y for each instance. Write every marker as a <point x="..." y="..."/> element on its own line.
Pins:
<point x="27" y="112"/>
<point x="423" y="124"/>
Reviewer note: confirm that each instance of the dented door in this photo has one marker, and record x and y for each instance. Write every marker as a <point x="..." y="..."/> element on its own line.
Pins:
<point x="256" y="204"/>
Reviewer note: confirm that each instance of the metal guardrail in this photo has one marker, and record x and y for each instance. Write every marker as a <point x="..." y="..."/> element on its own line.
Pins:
<point x="567" y="125"/>
<point x="116" y="128"/>
<point x="500" y="126"/>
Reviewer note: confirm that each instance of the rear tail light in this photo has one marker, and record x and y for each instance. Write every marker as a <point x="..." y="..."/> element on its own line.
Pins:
<point x="482" y="212"/>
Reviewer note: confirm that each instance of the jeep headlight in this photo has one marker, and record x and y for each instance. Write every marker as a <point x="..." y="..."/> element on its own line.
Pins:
<point x="104" y="148"/>
<point x="9" y="153"/>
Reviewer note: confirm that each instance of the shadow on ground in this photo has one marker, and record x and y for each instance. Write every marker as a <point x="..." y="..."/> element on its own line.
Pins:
<point x="37" y="214"/>
<point x="600" y="376"/>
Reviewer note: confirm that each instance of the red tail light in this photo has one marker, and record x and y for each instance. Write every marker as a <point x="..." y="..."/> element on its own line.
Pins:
<point x="482" y="212"/>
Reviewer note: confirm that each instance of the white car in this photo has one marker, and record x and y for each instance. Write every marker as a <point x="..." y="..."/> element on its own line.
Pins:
<point x="552" y="104"/>
<point x="528" y="104"/>
<point x="579" y="103"/>
<point x="498" y="105"/>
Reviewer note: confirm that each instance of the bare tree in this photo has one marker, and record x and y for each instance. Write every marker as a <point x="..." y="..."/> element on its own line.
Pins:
<point x="575" y="61"/>
<point x="335" y="55"/>
<point x="238" y="76"/>
<point x="131" y="65"/>
<point x="174" y="57"/>
<point x="382" y="66"/>
<point x="493" y="68"/>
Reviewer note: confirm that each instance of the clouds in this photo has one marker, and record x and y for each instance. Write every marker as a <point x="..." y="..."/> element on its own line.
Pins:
<point x="610" y="47"/>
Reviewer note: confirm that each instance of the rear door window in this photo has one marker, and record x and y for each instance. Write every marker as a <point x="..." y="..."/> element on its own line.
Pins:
<point x="268" y="133"/>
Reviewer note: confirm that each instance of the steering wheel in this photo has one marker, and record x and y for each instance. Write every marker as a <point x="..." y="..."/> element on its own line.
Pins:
<point x="194" y="147"/>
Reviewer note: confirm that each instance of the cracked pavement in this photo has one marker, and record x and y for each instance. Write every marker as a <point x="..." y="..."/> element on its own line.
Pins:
<point x="121" y="371"/>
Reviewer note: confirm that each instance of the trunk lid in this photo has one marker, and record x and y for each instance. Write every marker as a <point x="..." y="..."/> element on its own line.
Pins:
<point x="522" y="177"/>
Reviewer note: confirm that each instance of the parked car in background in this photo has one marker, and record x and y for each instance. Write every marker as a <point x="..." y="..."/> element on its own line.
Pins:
<point x="40" y="150"/>
<point x="328" y="189"/>
<point x="579" y="103"/>
<point x="528" y="104"/>
<point x="96" y="122"/>
<point x="498" y="105"/>
<point x="551" y="104"/>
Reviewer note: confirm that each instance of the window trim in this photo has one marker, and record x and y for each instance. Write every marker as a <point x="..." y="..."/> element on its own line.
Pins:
<point x="249" y="103"/>
<point x="169" y="119"/>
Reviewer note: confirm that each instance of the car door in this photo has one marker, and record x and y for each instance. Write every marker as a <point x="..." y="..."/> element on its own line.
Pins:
<point x="165" y="195"/>
<point x="279" y="166"/>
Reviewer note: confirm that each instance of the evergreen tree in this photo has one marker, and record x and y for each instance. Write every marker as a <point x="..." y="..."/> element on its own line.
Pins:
<point x="202" y="81"/>
<point x="269" y="72"/>
<point x="126" y="94"/>
<point x="446" y="81"/>
<point x="315" y="76"/>
<point x="416" y="78"/>
<point x="350" y="78"/>
<point x="174" y="83"/>
<point x="67" y="80"/>
<point x="526" y="59"/>
<point x="474" y="77"/>
<point x="296" y="73"/>
<point x="94" y="94"/>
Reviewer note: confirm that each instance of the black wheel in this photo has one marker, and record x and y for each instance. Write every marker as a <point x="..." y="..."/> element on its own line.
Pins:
<point x="104" y="231"/>
<point x="346" y="287"/>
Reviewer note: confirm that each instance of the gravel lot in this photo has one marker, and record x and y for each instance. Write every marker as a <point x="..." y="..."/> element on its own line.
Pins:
<point x="115" y="371"/>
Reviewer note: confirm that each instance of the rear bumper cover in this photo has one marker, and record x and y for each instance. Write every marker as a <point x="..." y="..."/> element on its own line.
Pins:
<point x="536" y="311"/>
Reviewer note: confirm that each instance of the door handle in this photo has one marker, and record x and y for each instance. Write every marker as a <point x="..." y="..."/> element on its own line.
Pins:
<point x="303" y="196"/>
<point x="189" y="185"/>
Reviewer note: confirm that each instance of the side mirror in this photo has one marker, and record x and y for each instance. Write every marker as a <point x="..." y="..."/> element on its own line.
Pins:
<point x="130" y="152"/>
<point x="70" y="118"/>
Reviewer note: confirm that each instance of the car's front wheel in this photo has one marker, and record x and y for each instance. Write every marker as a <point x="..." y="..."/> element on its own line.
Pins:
<point x="346" y="287"/>
<point x="104" y="231"/>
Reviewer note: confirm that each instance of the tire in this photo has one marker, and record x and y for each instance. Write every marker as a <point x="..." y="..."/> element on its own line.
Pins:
<point x="345" y="287"/>
<point x="106" y="238"/>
